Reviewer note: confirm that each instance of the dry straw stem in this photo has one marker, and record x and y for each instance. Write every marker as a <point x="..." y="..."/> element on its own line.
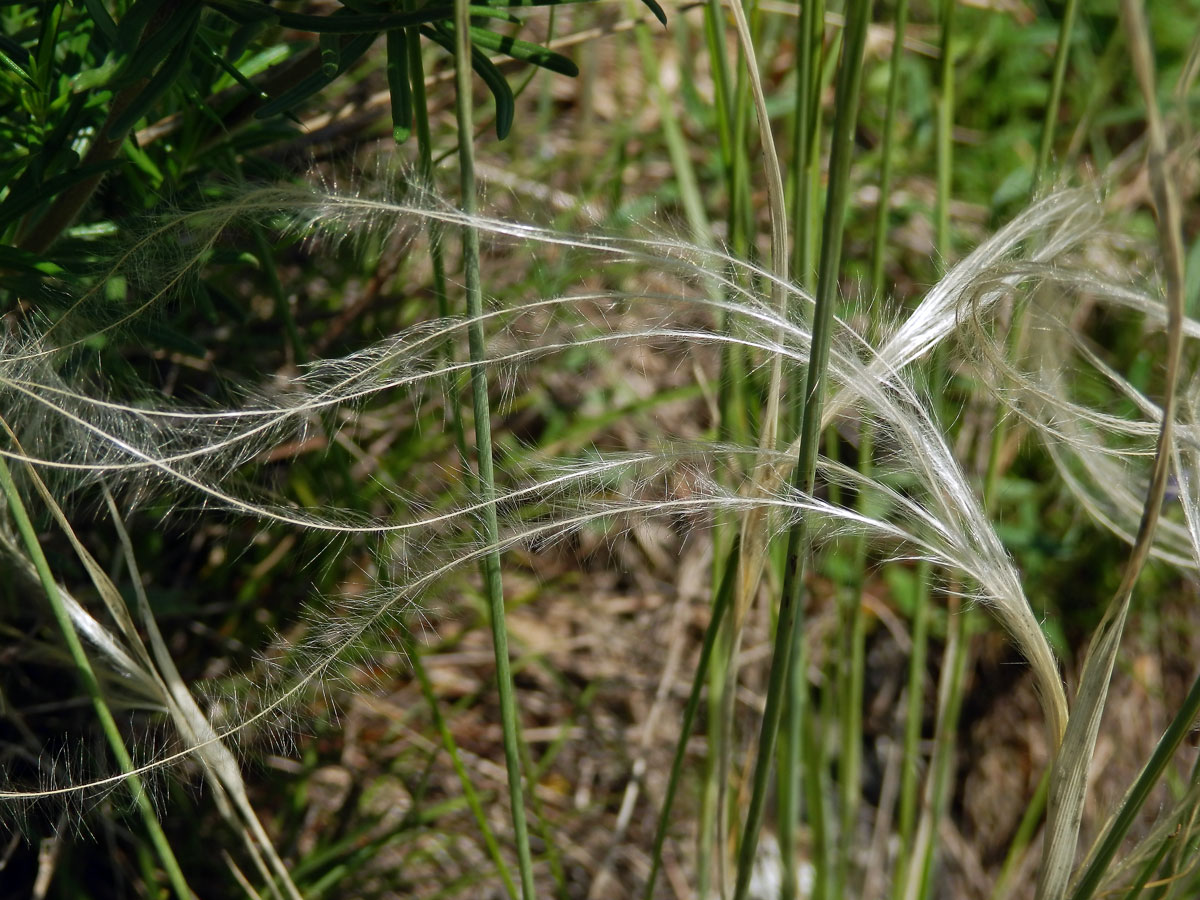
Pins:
<point x="1068" y="780"/>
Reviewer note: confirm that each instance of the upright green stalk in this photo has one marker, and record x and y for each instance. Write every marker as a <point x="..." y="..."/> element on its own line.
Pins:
<point x="437" y="255"/>
<point x="853" y="625"/>
<point x="1069" y="773"/>
<point x="851" y="662"/>
<point x="941" y="765"/>
<point x="91" y="685"/>
<point x="811" y="29"/>
<point x="921" y="845"/>
<point x="732" y="400"/>
<point x="677" y="144"/>
<point x="721" y="604"/>
<point x="493" y="582"/>
<point x="911" y="754"/>
<point x="1050" y="118"/>
<point x="734" y="426"/>
<point x="945" y="134"/>
<point x="805" y="161"/>
<point x="886" y="148"/>
<point x="789" y="620"/>
<point x="793" y="748"/>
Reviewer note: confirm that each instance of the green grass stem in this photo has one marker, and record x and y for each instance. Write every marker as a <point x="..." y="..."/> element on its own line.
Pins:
<point x="852" y="665"/>
<point x="437" y="253"/>
<point x="805" y="140"/>
<point x="1022" y="837"/>
<point x="945" y="136"/>
<point x="1177" y="871"/>
<point x="791" y="768"/>
<point x="941" y="765"/>
<point x="1139" y="883"/>
<point x="677" y="146"/>
<point x="799" y="718"/>
<point x="1068" y="780"/>
<point x="493" y="580"/>
<point x="1046" y="144"/>
<point x="790" y="621"/>
<point x="886" y="151"/>
<point x="913" y="716"/>
<point x="1050" y="118"/>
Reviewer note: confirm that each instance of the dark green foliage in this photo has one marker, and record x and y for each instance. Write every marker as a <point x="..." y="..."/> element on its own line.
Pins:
<point x="75" y="83"/>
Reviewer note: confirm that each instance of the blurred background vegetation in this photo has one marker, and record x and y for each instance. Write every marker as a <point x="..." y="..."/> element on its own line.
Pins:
<point x="598" y="120"/>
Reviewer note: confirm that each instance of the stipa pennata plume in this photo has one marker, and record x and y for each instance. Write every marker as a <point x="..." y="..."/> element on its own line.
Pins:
<point x="921" y="502"/>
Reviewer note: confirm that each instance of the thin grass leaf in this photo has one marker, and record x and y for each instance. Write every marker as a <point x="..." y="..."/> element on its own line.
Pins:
<point x="464" y="778"/>
<point x="1062" y="52"/>
<point x="1111" y="839"/>
<point x="12" y="65"/>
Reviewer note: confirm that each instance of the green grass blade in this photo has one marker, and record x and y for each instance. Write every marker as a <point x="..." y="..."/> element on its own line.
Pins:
<point x="914" y="711"/>
<point x="941" y="766"/>
<point x="437" y="254"/>
<point x="677" y="145"/>
<point x="805" y="142"/>
<point x="1110" y="841"/>
<point x="1031" y="819"/>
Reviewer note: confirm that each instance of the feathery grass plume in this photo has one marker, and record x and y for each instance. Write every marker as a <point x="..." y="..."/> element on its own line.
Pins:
<point x="1102" y="448"/>
<point x="938" y="516"/>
